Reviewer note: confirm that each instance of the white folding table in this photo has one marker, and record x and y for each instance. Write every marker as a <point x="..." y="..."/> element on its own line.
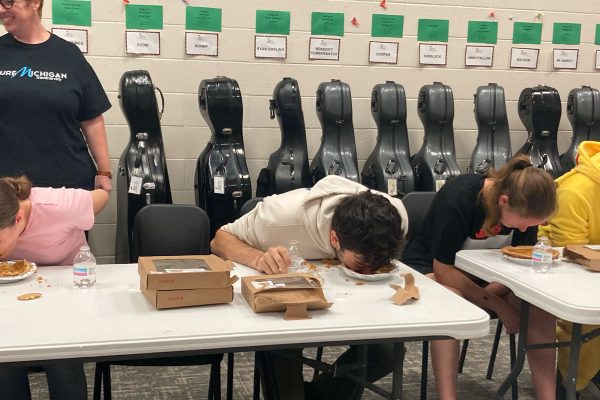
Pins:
<point x="115" y="321"/>
<point x="569" y="292"/>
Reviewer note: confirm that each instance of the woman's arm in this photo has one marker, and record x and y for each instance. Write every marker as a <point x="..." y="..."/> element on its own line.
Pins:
<point x="451" y="276"/>
<point x="99" y="199"/>
<point x="95" y="135"/>
<point x="275" y="260"/>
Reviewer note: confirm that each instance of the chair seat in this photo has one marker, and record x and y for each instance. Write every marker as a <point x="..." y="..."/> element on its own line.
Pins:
<point x="172" y="361"/>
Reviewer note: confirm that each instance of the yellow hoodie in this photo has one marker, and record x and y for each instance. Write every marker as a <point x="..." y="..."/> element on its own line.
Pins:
<point x="577" y="221"/>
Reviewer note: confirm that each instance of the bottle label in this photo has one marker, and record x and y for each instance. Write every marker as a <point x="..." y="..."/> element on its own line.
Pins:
<point x="83" y="270"/>
<point x="541" y="256"/>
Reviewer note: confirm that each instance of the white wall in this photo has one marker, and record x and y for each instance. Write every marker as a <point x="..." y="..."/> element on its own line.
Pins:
<point x="178" y="76"/>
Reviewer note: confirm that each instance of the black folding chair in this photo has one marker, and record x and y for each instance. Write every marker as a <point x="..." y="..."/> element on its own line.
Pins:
<point x="162" y="230"/>
<point x="417" y="205"/>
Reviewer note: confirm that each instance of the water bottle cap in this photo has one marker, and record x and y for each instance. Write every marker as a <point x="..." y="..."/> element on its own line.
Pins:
<point x="84" y="247"/>
<point x="293" y="243"/>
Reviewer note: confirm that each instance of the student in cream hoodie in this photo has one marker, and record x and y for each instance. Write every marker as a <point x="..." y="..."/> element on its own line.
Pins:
<point x="336" y="218"/>
<point x="577" y="221"/>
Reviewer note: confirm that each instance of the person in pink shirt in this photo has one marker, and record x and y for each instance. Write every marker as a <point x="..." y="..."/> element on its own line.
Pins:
<point x="46" y="226"/>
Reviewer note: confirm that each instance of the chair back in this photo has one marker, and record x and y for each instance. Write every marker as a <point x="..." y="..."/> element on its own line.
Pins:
<point x="171" y="230"/>
<point x="250" y="204"/>
<point x="417" y="205"/>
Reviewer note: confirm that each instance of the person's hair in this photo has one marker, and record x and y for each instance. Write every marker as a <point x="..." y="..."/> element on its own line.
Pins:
<point x="40" y="7"/>
<point x="369" y="225"/>
<point x="12" y="190"/>
<point x="531" y="192"/>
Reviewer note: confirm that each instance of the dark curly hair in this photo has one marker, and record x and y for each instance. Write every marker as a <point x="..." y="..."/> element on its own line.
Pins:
<point x="369" y="225"/>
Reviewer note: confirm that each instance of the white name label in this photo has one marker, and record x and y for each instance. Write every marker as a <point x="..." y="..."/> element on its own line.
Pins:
<point x="142" y="42"/>
<point x="324" y="49"/>
<point x="432" y="54"/>
<point x="79" y="37"/>
<point x="479" y="56"/>
<point x="270" y="47"/>
<point x="524" y="57"/>
<point x="201" y="44"/>
<point x="383" y="52"/>
<point x="565" y="58"/>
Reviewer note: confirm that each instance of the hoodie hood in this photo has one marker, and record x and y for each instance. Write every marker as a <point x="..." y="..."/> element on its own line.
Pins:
<point x="588" y="162"/>
<point x="323" y="198"/>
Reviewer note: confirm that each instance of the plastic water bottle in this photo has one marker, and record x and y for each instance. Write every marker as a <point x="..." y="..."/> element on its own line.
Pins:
<point x="541" y="256"/>
<point x="297" y="261"/>
<point x="84" y="268"/>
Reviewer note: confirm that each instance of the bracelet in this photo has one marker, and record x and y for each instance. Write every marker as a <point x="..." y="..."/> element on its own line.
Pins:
<point x="104" y="173"/>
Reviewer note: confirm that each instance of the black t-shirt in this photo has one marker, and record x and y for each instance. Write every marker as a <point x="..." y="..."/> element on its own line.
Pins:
<point x="454" y="223"/>
<point x="46" y="91"/>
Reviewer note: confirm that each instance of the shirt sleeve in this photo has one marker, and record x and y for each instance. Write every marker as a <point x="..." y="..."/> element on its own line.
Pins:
<point x="78" y="208"/>
<point x="570" y="223"/>
<point x="94" y="101"/>
<point x="450" y="230"/>
<point x="244" y="227"/>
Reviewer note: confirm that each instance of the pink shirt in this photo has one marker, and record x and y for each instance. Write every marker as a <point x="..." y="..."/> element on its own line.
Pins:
<point x="55" y="230"/>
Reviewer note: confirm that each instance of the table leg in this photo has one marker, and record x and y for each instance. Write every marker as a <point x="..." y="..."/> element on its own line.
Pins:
<point x="398" y="371"/>
<point x="521" y="350"/>
<point x="573" y="362"/>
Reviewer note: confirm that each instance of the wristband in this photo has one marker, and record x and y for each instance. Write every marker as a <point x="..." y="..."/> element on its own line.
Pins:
<point x="104" y="173"/>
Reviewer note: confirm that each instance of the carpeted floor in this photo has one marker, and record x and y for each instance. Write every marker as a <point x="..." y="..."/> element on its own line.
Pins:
<point x="179" y="383"/>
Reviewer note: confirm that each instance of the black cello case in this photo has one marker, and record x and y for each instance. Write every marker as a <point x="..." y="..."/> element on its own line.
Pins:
<point x="388" y="167"/>
<point x="583" y="110"/>
<point x="493" y="138"/>
<point x="288" y="166"/>
<point x="142" y="177"/>
<point x="337" y="153"/>
<point x="539" y="110"/>
<point x="222" y="180"/>
<point x="435" y="162"/>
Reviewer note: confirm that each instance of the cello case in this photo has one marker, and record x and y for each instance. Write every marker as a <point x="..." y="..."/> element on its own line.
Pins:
<point x="583" y="110"/>
<point x="142" y="172"/>
<point x="539" y="110"/>
<point x="388" y="168"/>
<point x="288" y="166"/>
<point x="222" y="180"/>
<point x="435" y="162"/>
<point x="493" y="139"/>
<point x="337" y="153"/>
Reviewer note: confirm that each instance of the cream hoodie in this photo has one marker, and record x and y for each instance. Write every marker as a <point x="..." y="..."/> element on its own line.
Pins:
<point x="302" y="214"/>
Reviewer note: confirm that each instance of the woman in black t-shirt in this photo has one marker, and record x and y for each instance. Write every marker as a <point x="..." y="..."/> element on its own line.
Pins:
<point x="476" y="212"/>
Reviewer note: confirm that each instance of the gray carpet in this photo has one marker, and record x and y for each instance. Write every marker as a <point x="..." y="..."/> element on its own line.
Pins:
<point x="179" y="383"/>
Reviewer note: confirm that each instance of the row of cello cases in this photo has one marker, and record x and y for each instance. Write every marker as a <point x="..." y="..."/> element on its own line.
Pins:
<point x="222" y="180"/>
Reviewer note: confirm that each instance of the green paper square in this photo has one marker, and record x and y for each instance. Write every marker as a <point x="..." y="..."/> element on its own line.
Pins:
<point x="385" y="25"/>
<point x="566" y="33"/>
<point x="143" y="17"/>
<point x="273" y="22"/>
<point x="527" y="33"/>
<point x="483" y="32"/>
<point x="72" y="12"/>
<point x="203" y="19"/>
<point x="330" y="24"/>
<point x="597" y="39"/>
<point x="433" y="30"/>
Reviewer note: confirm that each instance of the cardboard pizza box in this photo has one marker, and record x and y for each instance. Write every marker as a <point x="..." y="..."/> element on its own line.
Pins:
<point x="184" y="272"/>
<point x="162" y="299"/>
<point x="584" y="254"/>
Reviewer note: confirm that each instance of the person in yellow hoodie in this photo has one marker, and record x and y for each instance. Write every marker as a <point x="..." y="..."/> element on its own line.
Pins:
<point x="577" y="221"/>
